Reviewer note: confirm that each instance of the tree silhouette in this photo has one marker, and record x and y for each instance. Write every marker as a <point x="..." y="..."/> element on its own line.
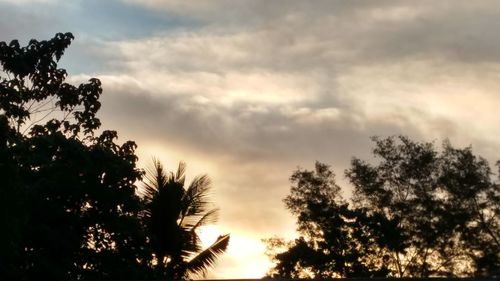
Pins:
<point x="172" y="217"/>
<point x="447" y="204"/>
<point x="68" y="204"/>
<point x="416" y="212"/>
<point x="335" y="240"/>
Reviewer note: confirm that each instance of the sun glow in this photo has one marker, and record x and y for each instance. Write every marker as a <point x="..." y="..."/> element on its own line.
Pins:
<point x="241" y="248"/>
<point x="208" y="234"/>
<point x="252" y="251"/>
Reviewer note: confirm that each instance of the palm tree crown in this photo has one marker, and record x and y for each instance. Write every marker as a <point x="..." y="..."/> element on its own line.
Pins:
<point x="172" y="215"/>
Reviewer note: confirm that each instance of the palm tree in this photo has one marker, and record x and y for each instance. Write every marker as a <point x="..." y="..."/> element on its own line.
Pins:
<point x="172" y="215"/>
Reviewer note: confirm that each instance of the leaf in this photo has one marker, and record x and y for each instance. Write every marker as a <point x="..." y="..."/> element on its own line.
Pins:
<point x="201" y="262"/>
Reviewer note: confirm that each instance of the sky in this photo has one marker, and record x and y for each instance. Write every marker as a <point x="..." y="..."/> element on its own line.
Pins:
<point x="247" y="91"/>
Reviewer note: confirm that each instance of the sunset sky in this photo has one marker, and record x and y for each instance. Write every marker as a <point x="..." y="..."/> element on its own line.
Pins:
<point x="247" y="91"/>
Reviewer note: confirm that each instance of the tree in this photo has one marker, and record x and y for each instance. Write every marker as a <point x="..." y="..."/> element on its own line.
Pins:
<point x="446" y="202"/>
<point x="417" y="211"/>
<point x="335" y="240"/>
<point x="68" y="197"/>
<point x="172" y="216"/>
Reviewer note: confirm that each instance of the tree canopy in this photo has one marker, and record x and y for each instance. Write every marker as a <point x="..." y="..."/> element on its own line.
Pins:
<point x="335" y="239"/>
<point x="447" y="202"/>
<point x="69" y="200"/>
<point x="417" y="211"/>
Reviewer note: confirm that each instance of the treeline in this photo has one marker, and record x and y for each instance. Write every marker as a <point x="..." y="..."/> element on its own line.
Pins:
<point x="69" y="204"/>
<point x="416" y="211"/>
<point x="71" y="209"/>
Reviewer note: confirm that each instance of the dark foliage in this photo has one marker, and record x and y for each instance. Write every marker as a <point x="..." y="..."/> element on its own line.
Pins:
<point x="447" y="203"/>
<point x="69" y="209"/>
<point x="417" y="212"/>
<point x="335" y="240"/>
<point x="172" y="216"/>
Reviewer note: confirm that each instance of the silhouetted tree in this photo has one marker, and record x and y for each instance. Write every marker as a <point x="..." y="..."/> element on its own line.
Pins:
<point x="172" y="216"/>
<point x="446" y="202"/>
<point x="68" y="204"/>
<point x="335" y="240"/>
<point x="416" y="212"/>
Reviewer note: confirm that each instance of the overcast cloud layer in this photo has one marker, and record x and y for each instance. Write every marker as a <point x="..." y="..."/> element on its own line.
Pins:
<point x="246" y="91"/>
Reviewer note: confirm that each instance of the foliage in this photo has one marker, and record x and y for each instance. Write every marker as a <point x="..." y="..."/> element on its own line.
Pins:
<point x="446" y="201"/>
<point x="68" y="197"/>
<point x="172" y="217"/>
<point x="335" y="240"/>
<point x="417" y="212"/>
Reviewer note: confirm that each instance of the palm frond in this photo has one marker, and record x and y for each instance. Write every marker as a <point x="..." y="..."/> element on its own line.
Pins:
<point x="201" y="262"/>
<point x="180" y="176"/>
<point x="194" y="222"/>
<point x="191" y="245"/>
<point x="191" y="226"/>
<point x="154" y="180"/>
<point x="196" y="199"/>
<point x="172" y="214"/>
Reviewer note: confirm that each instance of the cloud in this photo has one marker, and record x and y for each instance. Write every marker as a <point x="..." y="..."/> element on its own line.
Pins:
<point x="246" y="91"/>
<point x="370" y="30"/>
<point x="24" y="20"/>
<point x="297" y="87"/>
